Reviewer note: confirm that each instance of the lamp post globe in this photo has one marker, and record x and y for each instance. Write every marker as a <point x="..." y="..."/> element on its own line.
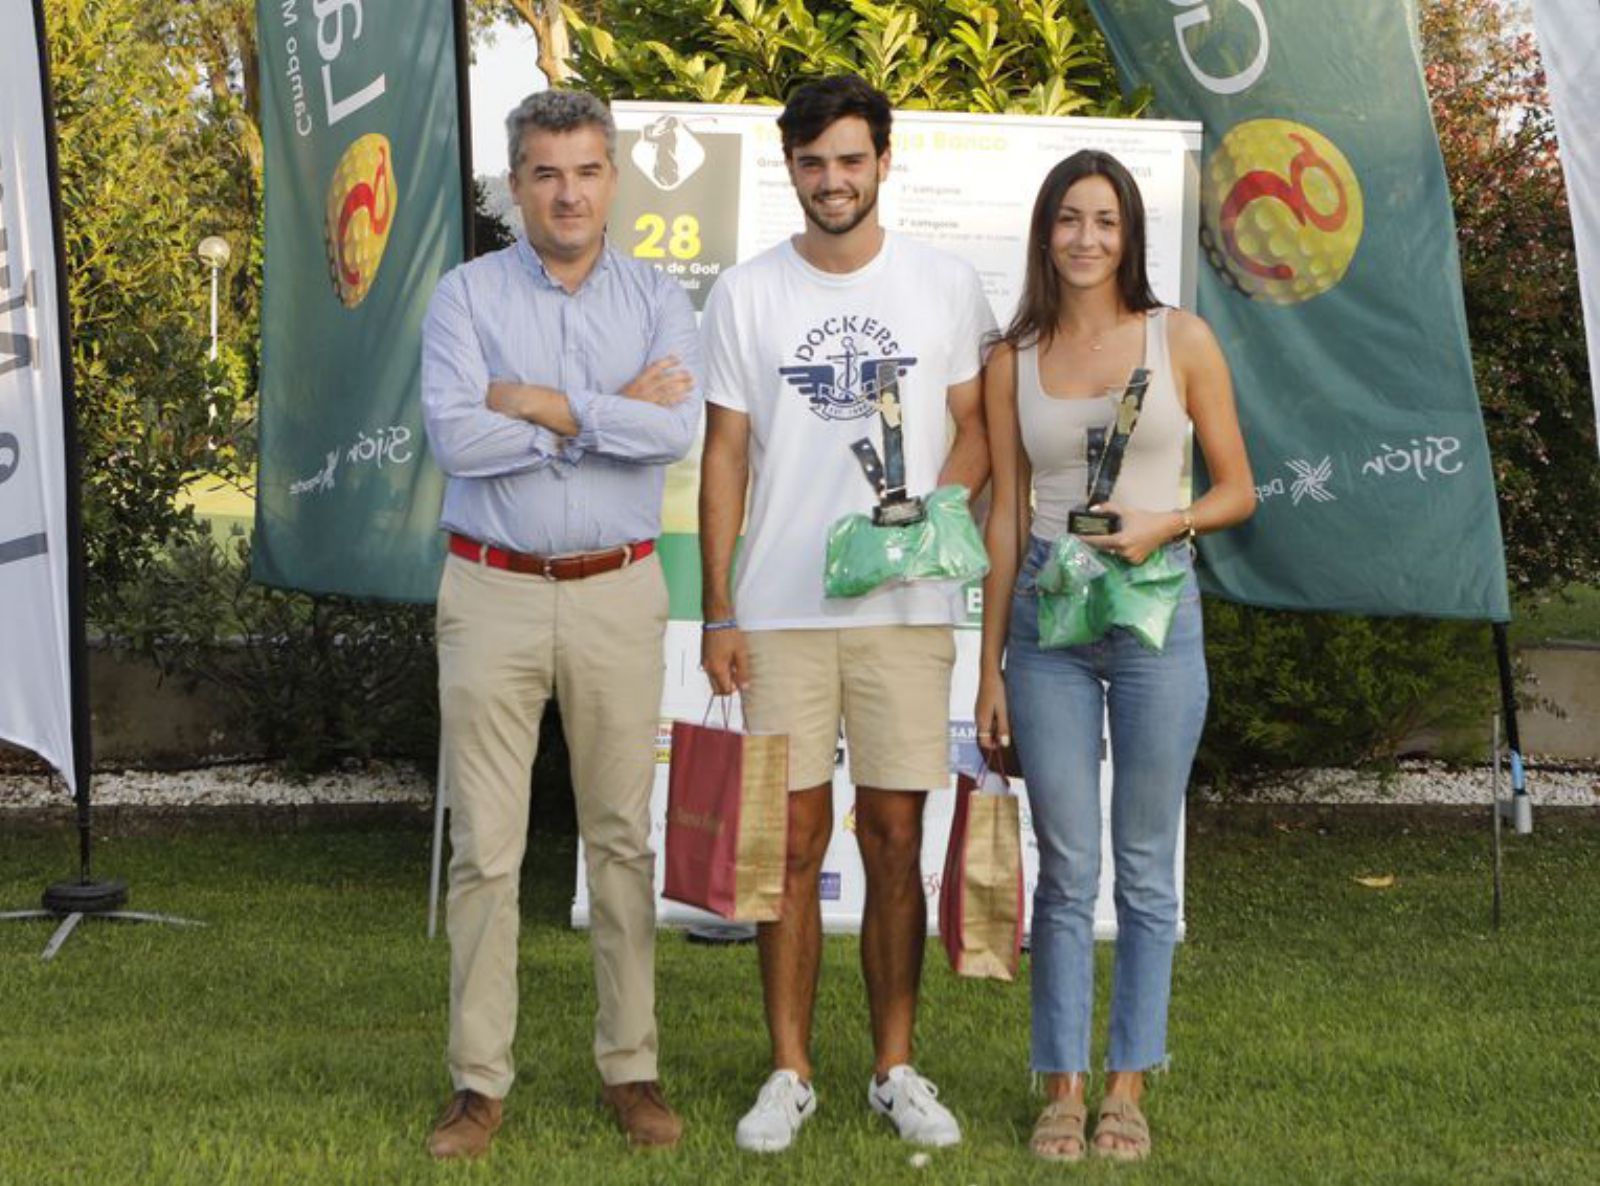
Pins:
<point x="215" y="251"/>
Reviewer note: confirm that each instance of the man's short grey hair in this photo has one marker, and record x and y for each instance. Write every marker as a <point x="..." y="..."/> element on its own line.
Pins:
<point x="558" y="111"/>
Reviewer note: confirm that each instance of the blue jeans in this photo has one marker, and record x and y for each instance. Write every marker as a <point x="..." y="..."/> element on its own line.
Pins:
<point x="1156" y="707"/>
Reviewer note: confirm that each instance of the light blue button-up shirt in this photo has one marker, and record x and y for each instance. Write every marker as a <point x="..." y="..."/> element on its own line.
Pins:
<point x="516" y="484"/>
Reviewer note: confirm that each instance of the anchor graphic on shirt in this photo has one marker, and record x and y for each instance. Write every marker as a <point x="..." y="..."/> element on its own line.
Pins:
<point x="852" y="394"/>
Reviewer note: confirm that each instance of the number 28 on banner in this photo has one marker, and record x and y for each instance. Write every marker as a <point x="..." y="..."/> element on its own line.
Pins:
<point x="658" y="239"/>
<point x="678" y="201"/>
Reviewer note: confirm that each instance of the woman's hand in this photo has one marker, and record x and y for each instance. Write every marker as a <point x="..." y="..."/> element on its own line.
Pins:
<point x="1142" y="532"/>
<point x="993" y="721"/>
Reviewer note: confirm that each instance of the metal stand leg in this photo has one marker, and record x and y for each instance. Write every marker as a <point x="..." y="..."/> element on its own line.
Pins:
<point x="71" y="919"/>
<point x="1494" y="790"/>
<point x="63" y="933"/>
<point x="438" y="847"/>
<point x="170" y="920"/>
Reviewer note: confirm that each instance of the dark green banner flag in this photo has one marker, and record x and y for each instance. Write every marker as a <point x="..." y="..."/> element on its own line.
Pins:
<point x="1334" y="287"/>
<point x="361" y="124"/>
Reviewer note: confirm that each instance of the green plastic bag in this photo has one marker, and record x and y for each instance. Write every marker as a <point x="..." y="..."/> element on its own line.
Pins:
<point x="944" y="546"/>
<point x="1084" y="593"/>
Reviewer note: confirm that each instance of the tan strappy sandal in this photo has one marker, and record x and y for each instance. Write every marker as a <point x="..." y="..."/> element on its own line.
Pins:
<point x="1062" y="1120"/>
<point x="1120" y="1118"/>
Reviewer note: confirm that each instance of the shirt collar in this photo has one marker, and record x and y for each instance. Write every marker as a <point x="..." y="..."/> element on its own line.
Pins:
<point x="530" y="259"/>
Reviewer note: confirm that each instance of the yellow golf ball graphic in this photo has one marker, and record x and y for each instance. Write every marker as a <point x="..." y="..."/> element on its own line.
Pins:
<point x="360" y="211"/>
<point x="1283" y="211"/>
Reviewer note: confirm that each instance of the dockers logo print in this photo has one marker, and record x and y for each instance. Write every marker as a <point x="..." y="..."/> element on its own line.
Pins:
<point x="843" y="362"/>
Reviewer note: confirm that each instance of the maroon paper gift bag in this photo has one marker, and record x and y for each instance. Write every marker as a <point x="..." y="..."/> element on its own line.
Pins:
<point x="727" y="821"/>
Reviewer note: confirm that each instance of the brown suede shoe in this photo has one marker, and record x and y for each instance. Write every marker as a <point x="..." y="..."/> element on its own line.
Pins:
<point x="644" y="1114"/>
<point x="466" y="1127"/>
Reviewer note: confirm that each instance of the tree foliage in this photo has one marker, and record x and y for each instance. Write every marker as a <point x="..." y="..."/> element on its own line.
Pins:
<point x="144" y="176"/>
<point x="1519" y="273"/>
<point x="1040" y="57"/>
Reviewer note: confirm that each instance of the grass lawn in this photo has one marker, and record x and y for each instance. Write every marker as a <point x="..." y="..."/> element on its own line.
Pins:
<point x="1569" y="615"/>
<point x="227" y="510"/>
<point x="1322" y="1032"/>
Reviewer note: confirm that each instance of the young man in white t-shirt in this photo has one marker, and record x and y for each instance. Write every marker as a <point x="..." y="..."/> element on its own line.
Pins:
<point x="798" y="342"/>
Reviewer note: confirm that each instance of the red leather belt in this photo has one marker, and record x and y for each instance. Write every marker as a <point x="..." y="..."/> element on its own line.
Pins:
<point x="573" y="566"/>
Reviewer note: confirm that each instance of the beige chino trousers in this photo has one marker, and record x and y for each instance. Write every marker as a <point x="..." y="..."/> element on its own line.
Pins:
<point x="507" y="643"/>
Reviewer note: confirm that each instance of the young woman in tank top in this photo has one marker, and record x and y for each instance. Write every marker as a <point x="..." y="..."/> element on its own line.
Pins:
<point x="1087" y="318"/>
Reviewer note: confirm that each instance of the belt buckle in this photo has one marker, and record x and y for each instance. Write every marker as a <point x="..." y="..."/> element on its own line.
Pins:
<point x="550" y="562"/>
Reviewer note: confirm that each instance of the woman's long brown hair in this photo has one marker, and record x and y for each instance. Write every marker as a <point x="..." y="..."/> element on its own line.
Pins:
<point x="1040" y="307"/>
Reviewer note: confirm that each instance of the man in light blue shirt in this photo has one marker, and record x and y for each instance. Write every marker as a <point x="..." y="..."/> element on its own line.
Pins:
<point x="559" y="379"/>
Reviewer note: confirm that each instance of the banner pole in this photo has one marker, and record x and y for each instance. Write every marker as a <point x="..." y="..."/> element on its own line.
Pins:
<point x="77" y="661"/>
<point x="469" y="204"/>
<point x="1519" y="806"/>
<point x="469" y="208"/>
<point x="71" y="902"/>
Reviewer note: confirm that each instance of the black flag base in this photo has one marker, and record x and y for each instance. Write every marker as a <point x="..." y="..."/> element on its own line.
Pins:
<point x="721" y="934"/>
<point x="73" y="901"/>
<point x="85" y="897"/>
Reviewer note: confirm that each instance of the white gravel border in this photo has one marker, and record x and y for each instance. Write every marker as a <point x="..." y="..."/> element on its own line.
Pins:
<point x="1423" y="782"/>
<point x="264" y="785"/>
<point x="255" y="784"/>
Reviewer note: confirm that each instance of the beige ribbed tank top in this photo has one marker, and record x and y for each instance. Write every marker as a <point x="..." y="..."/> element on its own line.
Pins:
<point x="1055" y="434"/>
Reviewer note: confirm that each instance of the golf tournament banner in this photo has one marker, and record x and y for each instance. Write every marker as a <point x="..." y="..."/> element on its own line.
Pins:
<point x="1569" y="43"/>
<point x="364" y="214"/>
<point x="35" y="622"/>
<point x="1332" y="282"/>
<point x="703" y="187"/>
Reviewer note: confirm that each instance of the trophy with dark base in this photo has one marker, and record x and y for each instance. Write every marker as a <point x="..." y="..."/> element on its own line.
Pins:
<point x="1106" y="452"/>
<point x="904" y="539"/>
<point x="887" y="475"/>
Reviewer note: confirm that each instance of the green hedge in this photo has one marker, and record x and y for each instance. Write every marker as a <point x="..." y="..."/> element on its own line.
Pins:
<point x="1291" y="690"/>
<point x="320" y="681"/>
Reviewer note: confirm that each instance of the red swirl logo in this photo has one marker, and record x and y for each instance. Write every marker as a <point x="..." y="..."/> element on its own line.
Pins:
<point x="1284" y="213"/>
<point x="362" y="199"/>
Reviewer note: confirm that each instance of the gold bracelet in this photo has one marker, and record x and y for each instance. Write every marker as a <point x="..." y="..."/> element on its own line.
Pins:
<point x="1188" y="525"/>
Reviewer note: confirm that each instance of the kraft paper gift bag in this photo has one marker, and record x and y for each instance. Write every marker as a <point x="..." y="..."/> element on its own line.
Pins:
<point x="727" y="820"/>
<point x="980" y="896"/>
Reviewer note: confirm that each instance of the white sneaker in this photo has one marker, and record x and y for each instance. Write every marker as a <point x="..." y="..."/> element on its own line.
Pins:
<point x="912" y="1102"/>
<point x="783" y="1105"/>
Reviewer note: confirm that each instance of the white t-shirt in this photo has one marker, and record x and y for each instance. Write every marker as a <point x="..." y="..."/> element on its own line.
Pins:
<point x="794" y="348"/>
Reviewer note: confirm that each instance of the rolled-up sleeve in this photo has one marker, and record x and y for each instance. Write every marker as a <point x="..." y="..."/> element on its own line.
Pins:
<point x="616" y="426"/>
<point x="468" y="440"/>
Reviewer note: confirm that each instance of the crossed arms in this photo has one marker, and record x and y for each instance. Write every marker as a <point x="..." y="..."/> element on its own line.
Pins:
<point x="483" y="425"/>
